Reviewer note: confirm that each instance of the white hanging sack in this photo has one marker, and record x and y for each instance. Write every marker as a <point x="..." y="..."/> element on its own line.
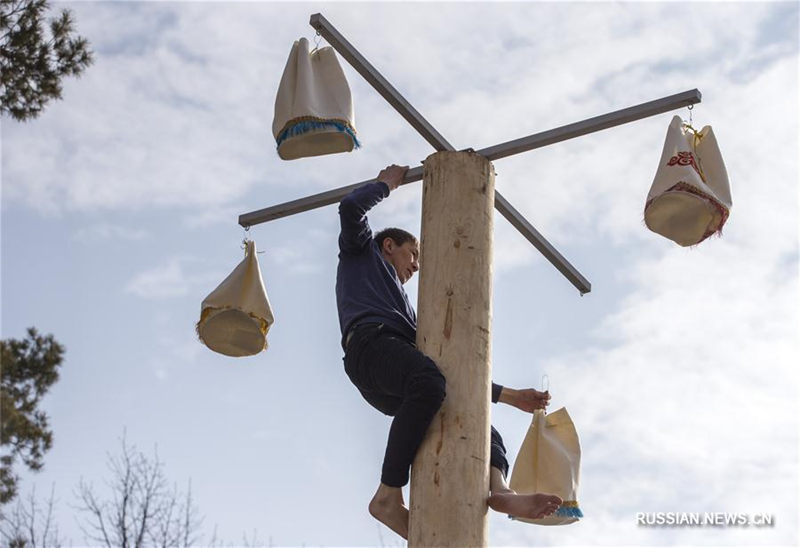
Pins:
<point x="314" y="108"/>
<point x="235" y="317"/>
<point x="690" y="198"/>
<point x="549" y="462"/>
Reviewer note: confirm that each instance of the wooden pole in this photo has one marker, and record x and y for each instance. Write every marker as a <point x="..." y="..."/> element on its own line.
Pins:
<point x="450" y="475"/>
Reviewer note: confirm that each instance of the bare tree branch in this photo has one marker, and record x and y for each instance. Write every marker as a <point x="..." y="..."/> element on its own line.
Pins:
<point x="12" y="526"/>
<point x="22" y="529"/>
<point x="142" y="510"/>
<point x="48" y="518"/>
<point x="191" y="524"/>
<point x="31" y="517"/>
<point x="96" y="509"/>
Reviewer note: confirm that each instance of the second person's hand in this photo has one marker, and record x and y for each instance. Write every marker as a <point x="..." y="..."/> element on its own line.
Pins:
<point x="526" y="399"/>
<point x="530" y="400"/>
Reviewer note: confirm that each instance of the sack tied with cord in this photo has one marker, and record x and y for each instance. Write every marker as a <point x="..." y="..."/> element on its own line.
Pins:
<point x="313" y="108"/>
<point x="690" y="198"/>
<point x="549" y="461"/>
<point x="235" y="317"/>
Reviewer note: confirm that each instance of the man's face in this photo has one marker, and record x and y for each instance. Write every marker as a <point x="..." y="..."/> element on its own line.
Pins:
<point x="404" y="258"/>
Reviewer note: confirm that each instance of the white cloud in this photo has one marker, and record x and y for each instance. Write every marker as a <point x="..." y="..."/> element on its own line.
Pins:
<point x="294" y="258"/>
<point x="162" y="281"/>
<point x="686" y="396"/>
<point x="694" y="406"/>
<point x="147" y="124"/>
<point x="210" y="215"/>
<point x="306" y="255"/>
<point x="107" y="231"/>
<point x="688" y="399"/>
<point x="510" y="248"/>
<point x="176" y="352"/>
<point x="170" y="280"/>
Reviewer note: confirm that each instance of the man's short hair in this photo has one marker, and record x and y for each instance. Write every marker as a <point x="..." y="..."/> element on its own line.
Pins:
<point x="398" y="236"/>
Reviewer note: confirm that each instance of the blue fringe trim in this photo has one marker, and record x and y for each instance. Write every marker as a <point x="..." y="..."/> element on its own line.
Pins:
<point x="566" y="511"/>
<point x="310" y="125"/>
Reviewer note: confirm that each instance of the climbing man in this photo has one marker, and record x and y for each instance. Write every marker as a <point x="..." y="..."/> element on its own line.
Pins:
<point x="381" y="359"/>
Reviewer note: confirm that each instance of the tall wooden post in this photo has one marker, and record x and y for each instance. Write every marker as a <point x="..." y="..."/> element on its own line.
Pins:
<point x="450" y="475"/>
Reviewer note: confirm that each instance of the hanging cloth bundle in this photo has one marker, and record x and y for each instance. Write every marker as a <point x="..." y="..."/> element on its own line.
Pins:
<point x="691" y="197"/>
<point x="235" y="317"/>
<point x="549" y="462"/>
<point x="313" y="108"/>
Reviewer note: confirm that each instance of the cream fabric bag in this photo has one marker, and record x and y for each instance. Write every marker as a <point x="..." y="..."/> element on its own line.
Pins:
<point x="235" y="317"/>
<point x="690" y="198"/>
<point x="313" y="108"/>
<point x="549" y="462"/>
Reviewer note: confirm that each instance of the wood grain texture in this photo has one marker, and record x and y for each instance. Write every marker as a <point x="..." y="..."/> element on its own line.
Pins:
<point x="450" y="476"/>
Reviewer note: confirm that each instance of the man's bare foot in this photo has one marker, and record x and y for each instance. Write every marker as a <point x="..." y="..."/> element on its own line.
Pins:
<point x="388" y="507"/>
<point x="534" y="506"/>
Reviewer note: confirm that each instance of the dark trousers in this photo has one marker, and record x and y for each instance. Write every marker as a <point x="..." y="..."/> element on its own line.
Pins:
<point x="400" y="381"/>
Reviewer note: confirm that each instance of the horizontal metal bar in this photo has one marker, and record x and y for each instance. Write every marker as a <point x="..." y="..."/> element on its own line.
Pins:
<point x="377" y="81"/>
<point x="540" y="242"/>
<point x="499" y="151"/>
<point x="591" y="125"/>
<point x="506" y="209"/>
<point x="502" y="205"/>
<point x="312" y="202"/>
<point x="410" y="114"/>
<point x="429" y="133"/>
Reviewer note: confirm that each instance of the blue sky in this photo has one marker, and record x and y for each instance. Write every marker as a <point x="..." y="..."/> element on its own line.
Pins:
<point x="119" y="210"/>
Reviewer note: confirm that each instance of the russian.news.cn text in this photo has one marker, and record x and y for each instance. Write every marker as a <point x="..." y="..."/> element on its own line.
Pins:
<point x="703" y="519"/>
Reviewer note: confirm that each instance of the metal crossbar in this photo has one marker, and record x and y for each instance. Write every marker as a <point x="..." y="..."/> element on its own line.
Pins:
<point x="539" y="242"/>
<point x="377" y="81"/>
<point x="503" y="150"/>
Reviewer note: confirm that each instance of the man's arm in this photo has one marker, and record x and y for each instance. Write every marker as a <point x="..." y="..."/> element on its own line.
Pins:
<point x="528" y="399"/>
<point x="356" y="233"/>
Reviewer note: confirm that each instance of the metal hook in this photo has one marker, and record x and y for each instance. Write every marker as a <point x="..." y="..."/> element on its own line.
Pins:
<point x="545" y="387"/>
<point x="246" y="237"/>
<point x="317" y="38"/>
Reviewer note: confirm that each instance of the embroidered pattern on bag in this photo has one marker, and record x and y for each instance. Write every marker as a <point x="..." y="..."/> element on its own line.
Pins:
<point x="685" y="159"/>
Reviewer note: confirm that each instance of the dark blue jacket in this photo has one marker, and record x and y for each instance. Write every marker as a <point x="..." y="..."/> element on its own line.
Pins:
<point x="367" y="286"/>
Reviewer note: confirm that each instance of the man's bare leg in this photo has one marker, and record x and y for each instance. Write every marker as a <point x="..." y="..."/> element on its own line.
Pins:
<point x="388" y="507"/>
<point x="507" y="501"/>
